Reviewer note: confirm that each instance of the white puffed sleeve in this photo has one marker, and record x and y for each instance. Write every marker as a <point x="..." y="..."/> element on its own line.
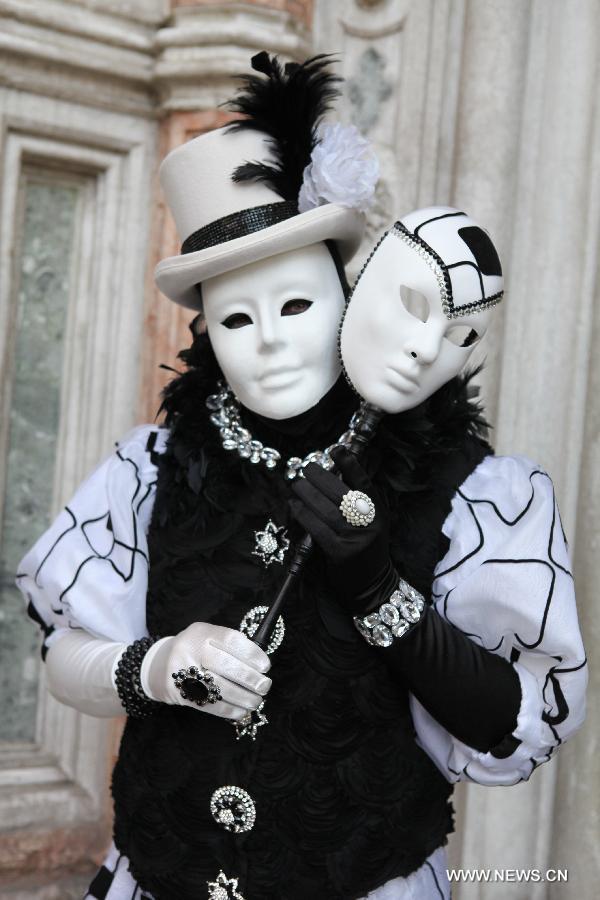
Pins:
<point x="90" y="568"/>
<point x="506" y="582"/>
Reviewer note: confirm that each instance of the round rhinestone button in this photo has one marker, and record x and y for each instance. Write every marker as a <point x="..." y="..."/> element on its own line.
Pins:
<point x="233" y="808"/>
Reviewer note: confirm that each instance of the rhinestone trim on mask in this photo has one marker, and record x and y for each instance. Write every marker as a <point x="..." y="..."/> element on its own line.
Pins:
<point x="436" y="264"/>
<point x="225" y="415"/>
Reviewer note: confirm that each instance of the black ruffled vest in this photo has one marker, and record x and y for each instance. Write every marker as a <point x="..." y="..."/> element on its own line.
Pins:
<point x="345" y="799"/>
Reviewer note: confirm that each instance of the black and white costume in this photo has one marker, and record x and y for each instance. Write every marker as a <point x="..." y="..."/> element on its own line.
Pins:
<point x="478" y="534"/>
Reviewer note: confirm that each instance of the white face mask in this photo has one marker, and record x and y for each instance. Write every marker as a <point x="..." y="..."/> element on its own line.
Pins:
<point x="398" y="345"/>
<point x="273" y="325"/>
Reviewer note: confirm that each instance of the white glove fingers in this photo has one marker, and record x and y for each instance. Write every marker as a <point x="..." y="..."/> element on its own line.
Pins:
<point x="235" y="695"/>
<point x="240" y="646"/>
<point x="233" y="669"/>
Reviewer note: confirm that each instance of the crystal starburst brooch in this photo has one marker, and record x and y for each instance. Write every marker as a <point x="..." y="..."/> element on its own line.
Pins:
<point x="223" y="888"/>
<point x="247" y="727"/>
<point x="271" y="543"/>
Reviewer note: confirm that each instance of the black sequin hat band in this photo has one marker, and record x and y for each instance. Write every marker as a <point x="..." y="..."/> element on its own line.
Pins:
<point x="239" y="224"/>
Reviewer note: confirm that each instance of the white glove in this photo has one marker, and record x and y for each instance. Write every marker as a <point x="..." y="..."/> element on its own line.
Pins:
<point x="80" y="673"/>
<point x="80" y="670"/>
<point x="237" y="664"/>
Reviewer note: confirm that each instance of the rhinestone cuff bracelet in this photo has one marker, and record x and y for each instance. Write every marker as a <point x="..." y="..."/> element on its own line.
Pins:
<point x="393" y="618"/>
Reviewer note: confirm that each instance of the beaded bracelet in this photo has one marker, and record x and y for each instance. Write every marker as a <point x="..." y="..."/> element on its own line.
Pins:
<point x="127" y="678"/>
<point x="394" y="617"/>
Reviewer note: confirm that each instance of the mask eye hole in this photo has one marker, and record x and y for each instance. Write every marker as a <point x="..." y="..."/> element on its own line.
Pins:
<point x="237" y="320"/>
<point x="462" y="335"/>
<point x="295" y="307"/>
<point x="415" y="303"/>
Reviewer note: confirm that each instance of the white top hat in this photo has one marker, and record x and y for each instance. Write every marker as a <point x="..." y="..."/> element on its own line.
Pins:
<point x="225" y="224"/>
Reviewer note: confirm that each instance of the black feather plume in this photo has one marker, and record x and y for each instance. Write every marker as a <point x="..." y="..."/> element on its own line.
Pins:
<point x="287" y="106"/>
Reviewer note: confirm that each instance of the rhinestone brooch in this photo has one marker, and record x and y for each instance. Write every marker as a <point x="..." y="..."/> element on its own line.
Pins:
<point x="393" y="618"/>
<point x="271" y="543"/>
<point x="252" y="721"/>
<point x="253" y="618"/>
<point x="233" y="808"/>
<point x="197" y="685"/>
<point x="224" y="888"/>
<point x="357" y="508"/>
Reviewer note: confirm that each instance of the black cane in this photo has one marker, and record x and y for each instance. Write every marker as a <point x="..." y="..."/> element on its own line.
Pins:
<point x="370" y="417"/>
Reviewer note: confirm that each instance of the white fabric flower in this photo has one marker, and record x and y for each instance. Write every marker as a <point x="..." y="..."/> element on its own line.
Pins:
<point x="343" y="170"/>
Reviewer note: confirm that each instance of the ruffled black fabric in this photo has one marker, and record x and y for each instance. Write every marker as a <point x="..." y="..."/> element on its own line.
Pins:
<point x="345" y="798"/>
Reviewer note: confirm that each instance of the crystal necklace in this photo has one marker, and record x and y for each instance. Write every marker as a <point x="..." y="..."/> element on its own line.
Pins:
<point x="225" y="414"/>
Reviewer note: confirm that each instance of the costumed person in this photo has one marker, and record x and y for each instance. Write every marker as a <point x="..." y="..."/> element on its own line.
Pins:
<point x="432" y="635"/>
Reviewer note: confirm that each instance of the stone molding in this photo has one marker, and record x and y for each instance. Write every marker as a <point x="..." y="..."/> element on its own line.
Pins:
<point x="204" y="47"/>
<point x="139" y="63"/>
<point x="300" y="9"/>
<point x="71" y="52"/>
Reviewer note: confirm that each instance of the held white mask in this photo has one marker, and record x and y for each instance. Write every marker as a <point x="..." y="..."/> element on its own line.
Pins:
<point x="273" y="326"/>
<point x="417" y="313"/>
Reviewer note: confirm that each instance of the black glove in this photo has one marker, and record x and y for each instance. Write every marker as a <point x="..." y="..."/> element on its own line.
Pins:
<point x="358" y="556"/>
<point x="474" y="693"/>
